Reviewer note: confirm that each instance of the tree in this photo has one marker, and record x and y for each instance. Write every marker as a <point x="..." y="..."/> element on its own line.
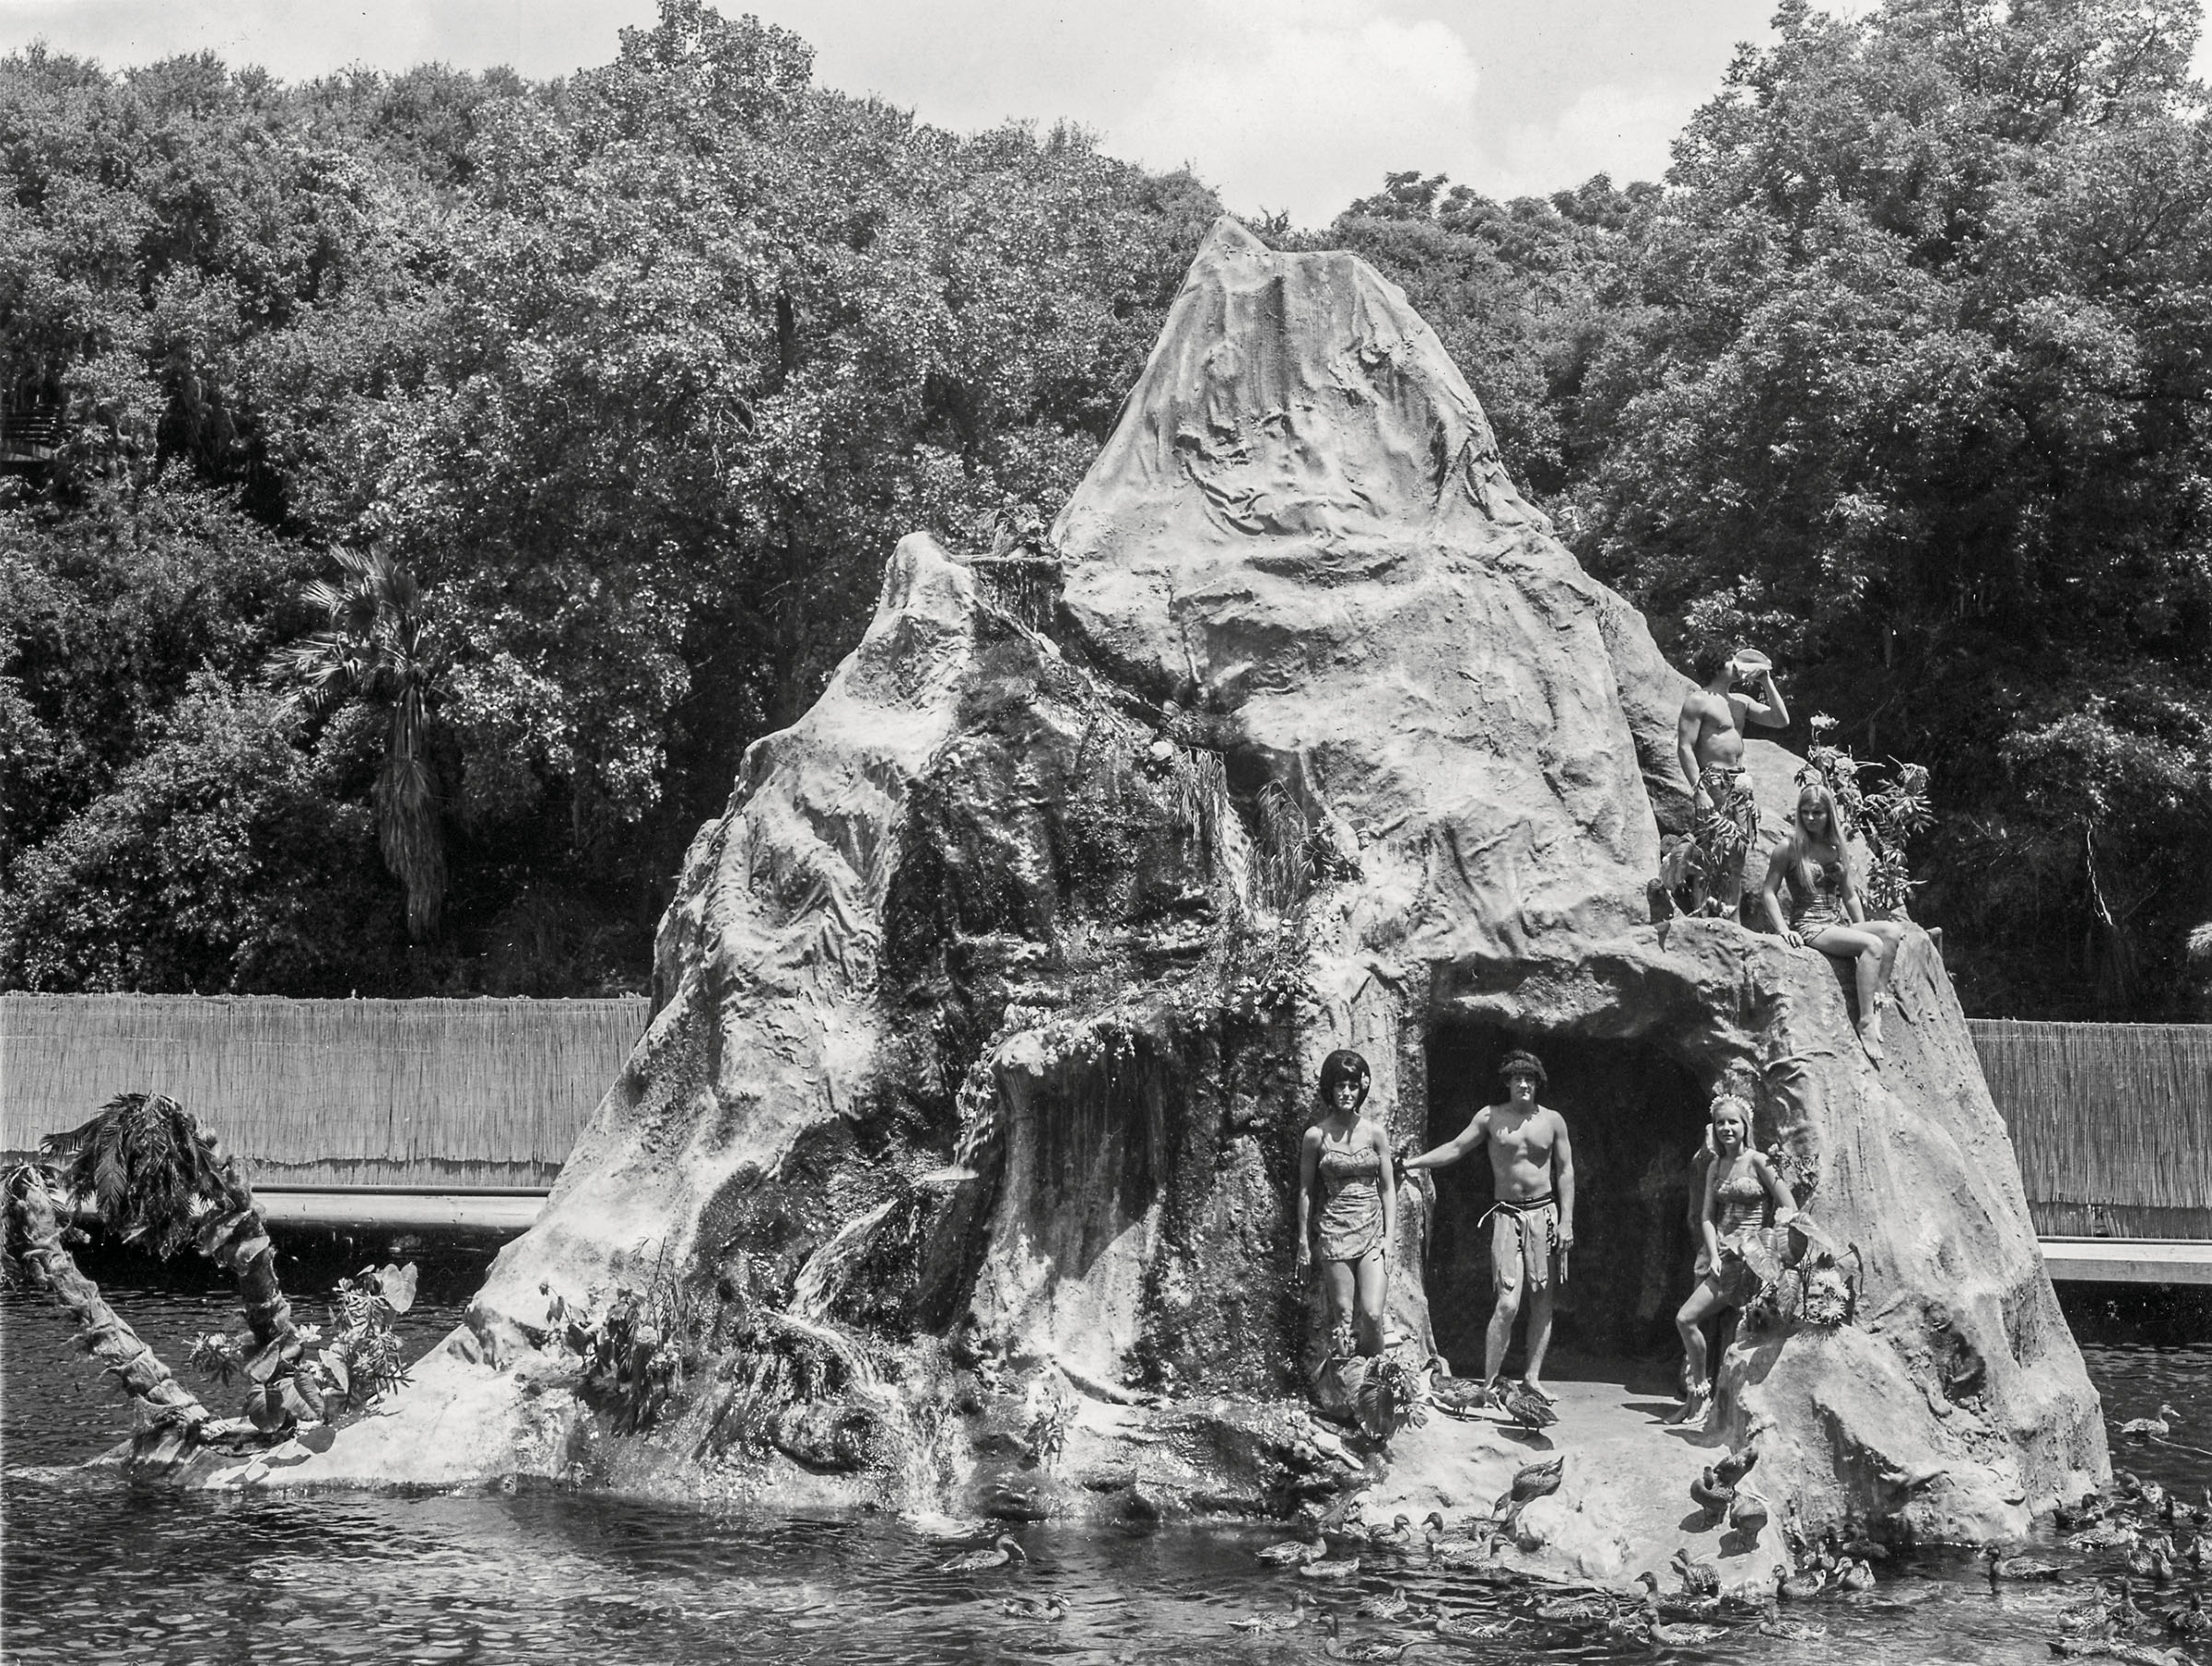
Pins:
<point x="157" y="1178"/>
<point x="372" y="648"/>
<point x="1916" y="389"/>
<point x="217" y="862"/>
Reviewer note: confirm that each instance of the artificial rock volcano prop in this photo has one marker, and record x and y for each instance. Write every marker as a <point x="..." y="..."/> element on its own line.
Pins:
<point x="957" y="1167"/>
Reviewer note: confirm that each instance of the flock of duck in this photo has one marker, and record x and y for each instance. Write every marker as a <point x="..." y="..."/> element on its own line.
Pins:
<point x="2156" y="1533"/>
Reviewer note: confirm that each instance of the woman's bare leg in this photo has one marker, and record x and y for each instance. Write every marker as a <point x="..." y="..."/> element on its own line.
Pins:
<point x="1867" y="948"/>
<point x="1704" y="1302"/>
<point x="1371" y="1285"/>
<point x="1339" y="1280"/>
<point x="1689" y="1323"/>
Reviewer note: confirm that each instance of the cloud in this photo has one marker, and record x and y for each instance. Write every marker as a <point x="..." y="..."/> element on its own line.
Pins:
<point x="1303" y="107"/>
<point x="1624" y="131"/>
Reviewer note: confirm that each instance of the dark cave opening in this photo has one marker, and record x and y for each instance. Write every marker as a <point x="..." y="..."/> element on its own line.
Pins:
<point x="1635" y="1118"/>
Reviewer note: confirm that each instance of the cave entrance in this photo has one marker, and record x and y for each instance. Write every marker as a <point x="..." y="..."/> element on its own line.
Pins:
<point x="1636" y="1118"/>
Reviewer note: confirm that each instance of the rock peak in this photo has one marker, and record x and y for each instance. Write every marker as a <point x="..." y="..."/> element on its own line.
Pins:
<point x="1291" y="396"/>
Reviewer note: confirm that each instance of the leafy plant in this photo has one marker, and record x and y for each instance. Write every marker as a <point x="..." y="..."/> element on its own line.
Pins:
<point x="1885" y="819"/>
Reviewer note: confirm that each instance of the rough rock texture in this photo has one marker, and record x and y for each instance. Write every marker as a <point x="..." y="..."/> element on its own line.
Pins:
<point x="956" y="1169"/>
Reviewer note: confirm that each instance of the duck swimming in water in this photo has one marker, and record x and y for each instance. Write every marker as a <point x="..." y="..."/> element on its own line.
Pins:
<point x="997" y="1553"/>
<point x="1397" y="1536"/>
<point x="1799" y="1587"/>
<point x="1050" y="1610"/>
<point x="1362" y="1650"/>
<point x="1291" y="1552"/>
<point x="1334" y="1567"/>
<point x="1577" y="1610"/>
<point x="1389" y="1604"/>
<point x="2147" y="1428"/>
<point x="2021" y="1569"/>
<point x="1299" y="1611"/>
<point x="1698" y="1578"/>
<point x="1854" y="1576"/>
<point x="1453" y="1628"/>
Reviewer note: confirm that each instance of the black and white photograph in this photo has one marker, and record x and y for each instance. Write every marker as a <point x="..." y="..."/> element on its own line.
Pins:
<point x="1206" y="832"/>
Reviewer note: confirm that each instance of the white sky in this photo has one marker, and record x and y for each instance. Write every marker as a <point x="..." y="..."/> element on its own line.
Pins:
<point x="1296" y="104"/>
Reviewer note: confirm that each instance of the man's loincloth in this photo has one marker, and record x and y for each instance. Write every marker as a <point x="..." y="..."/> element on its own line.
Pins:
<point x="1524" y="1240"/>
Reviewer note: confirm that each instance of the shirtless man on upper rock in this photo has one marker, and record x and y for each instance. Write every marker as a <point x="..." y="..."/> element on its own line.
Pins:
<point x="1709" y="740"/>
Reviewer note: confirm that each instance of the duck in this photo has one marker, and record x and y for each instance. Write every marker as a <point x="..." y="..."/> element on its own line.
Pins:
<point x="1668" y="1635"/>
<point x="1523" y="1405"/>
<point x="1291" y="1552"/>
<point x="1334" y="1567"/>
<point x="1676" y="1607"/>
<point x="1712" y="1494"/>
<point x="1577" y="1610"/>
<point x="2105" y="1535"/>
<point x="1798" y="1587"/>
<point x="1465" y="1552"/>
<point x="1050" y="1610"/>
<point x="2189" y="1620"/>
<point x="2149" y="1428"/>
<point x="1531" y="1482"/>
<point x="1791" y="1631"/>
<point x="1297" y="1615"/>
<point x="1855" y="1575"/>
<point x="1749" y="1513"/>
<point x="2152" y="1559"/>
<point x="1731" y="1470"/>
<point x="1389" y="1604"/>
<point x="1453" y="1628"/>
<point x="1698" y="1578"/>
<point x="2019" y="1568"/>
<point x="997" y="1553"/>
<point x="1359" y="1648"/>
<point x="1458" y="1396"/>
<point x="1398" y="1535"/>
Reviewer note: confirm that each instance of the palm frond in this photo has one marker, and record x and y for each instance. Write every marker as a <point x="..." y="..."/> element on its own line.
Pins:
<point x="146" y="1167"/>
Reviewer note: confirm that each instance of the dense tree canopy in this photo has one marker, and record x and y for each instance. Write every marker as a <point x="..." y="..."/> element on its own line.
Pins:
<point x="632" y="381"/>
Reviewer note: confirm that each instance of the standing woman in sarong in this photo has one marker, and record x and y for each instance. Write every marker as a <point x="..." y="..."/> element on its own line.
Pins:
<point x="1739" y="1185"/>
<point x="1344" y="1158"/>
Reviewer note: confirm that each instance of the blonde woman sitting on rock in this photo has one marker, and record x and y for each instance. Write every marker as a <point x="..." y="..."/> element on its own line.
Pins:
<point x="1739" y="1184"/>
<point x="1825" y="912"/>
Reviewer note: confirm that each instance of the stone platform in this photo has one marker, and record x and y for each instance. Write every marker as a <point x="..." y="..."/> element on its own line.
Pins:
<point x="1623" y="1505"/>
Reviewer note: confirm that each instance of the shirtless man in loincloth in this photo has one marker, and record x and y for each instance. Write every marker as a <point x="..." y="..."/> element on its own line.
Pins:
<point x="1709" y="742"/>
<point x="1532" y="1222"/>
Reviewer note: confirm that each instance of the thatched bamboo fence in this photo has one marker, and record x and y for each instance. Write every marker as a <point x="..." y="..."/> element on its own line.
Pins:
<point x="2112" y="1123"/>
<point x="421" y="1095"/>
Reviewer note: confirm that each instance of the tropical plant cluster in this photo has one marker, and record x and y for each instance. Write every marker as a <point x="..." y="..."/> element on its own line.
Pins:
<point x="451" y="475"/>
<point x="146" y="1170"/>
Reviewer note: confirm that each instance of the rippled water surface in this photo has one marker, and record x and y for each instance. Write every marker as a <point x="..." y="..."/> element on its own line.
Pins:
<point x="100" y="1571"/>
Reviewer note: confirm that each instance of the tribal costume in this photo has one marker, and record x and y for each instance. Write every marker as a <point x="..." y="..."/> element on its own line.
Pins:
<point x="1351" y="1199"/>
<point x="1524" y="1238"/>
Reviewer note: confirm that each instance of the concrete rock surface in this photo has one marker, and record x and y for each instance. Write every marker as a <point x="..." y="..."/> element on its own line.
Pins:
<point x="956" y="1170"/>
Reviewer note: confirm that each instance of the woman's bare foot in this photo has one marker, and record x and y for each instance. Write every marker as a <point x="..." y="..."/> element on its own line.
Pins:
<point x="1694" y="1404"/>
<point x="1870" y="1033"/>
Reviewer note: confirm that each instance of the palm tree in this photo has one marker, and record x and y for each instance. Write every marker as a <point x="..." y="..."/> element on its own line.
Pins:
<point x="156" y="1176"/>
<point x="34" y="1241"/>
<point x="371" y="649"/>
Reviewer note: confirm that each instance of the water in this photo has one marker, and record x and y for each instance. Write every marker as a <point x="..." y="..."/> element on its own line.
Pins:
<point x="100" y="1570"/>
